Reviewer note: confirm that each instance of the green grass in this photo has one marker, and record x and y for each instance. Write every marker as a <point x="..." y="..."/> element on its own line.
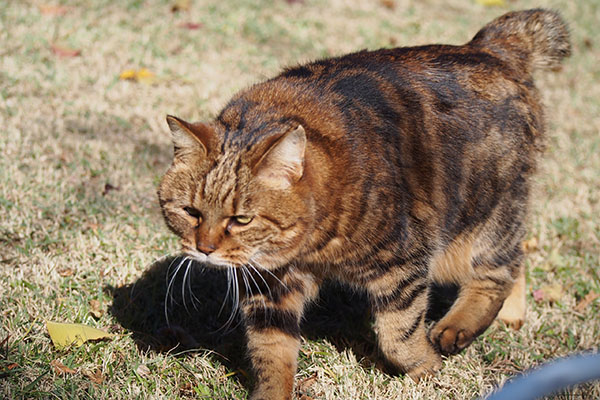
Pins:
<point x="70" y="128"/>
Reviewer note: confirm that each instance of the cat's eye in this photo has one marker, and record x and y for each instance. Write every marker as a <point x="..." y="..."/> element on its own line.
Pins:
<point x="192" y="212"/>
<point x="242" y="219"/>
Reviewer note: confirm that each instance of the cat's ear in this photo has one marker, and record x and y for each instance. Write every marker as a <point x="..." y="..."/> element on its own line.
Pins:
<point x="188" y="137"/>
<point x="283" y="163"/>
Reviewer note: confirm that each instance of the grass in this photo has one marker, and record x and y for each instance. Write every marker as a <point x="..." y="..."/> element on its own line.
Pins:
<point x="82" y="152"/>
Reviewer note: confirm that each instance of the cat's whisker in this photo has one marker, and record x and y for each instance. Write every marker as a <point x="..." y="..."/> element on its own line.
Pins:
<point x="270" y="273"/>
<point x="249" y="293"/>
<point x="169" y="269"/>
<point x="183" y="283"/>
<point x="229" y="285"/>
<point x="260" y="294"/>
<point x="235" y="299"/>
<point x="257" y="285"/>
<point x="263" y="279"/>
<point x="193" y="296"/>
<point x="169" y="294"/>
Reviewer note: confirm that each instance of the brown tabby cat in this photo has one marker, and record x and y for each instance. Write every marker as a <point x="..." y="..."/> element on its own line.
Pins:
<point x="389" y="170"/>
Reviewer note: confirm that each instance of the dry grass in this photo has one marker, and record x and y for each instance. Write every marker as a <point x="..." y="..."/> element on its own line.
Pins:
<point x="70" y="128"/>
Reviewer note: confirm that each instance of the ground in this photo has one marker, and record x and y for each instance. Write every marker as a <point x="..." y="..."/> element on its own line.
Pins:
<point x="82" y="151"/>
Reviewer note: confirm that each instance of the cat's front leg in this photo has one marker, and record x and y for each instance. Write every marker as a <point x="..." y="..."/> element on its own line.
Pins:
<point x="399" y="301"/>
<point x="273" y="332"/>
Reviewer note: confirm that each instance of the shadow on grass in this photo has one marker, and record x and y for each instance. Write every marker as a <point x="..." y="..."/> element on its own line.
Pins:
<point x="198" y="316"/>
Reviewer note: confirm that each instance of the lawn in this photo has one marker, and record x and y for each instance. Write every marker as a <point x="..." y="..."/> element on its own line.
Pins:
<point x="82" y="239"/>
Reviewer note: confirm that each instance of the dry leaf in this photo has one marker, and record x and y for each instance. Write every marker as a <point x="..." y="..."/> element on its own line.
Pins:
<point x="491" y="3"/>
<point x="307" y="382"/>
<point x="12" y="366"/>
<point x="538" y="295"/>
<point x="142" y="370"/>
<point x="192" y="26"/>
<point x="586" y="301"/>
<point x="127" y="74"/>
<point x="64" y="272"/>
<point x="62" y="51"/>
<point x="550" y="293"/>
<point x="389" y="4"/>
<point x="530" y="245"/>
<point x="64" y="335"/>
<point x="47" y="9"/>
<point x="61" y="368"/>
<point x="95" y="377"/>
<point x="554" y="292"/>
<point x="143" y="75"/>
<point x="96" y="309"/>
<point x="108" y="187"/>
<point x="180" y="5"/>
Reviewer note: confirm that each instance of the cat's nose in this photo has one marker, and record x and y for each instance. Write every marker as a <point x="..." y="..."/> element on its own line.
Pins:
<point x="206" y="248"/>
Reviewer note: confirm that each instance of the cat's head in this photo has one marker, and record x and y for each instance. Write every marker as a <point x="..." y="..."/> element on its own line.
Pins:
<point x="237" y="202"/>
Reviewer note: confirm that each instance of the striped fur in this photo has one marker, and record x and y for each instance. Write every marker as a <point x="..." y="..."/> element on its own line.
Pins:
<point x="389" y="170"/>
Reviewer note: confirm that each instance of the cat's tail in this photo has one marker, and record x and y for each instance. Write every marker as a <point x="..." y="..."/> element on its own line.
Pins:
<point x="538" y="37"/>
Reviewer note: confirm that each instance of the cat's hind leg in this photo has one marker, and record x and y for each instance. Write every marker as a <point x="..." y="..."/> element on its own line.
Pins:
<point x="481" y="296"/>
<point x="513" y="310"/>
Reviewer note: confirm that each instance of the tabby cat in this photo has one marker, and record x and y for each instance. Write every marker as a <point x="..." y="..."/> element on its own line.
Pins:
<point x="389" y="170"/>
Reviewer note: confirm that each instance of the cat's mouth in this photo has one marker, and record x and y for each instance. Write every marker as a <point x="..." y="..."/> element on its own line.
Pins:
<point x="210" y="260"/>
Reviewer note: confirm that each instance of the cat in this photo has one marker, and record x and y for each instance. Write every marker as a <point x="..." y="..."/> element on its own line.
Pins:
<point x="389" y="170"/>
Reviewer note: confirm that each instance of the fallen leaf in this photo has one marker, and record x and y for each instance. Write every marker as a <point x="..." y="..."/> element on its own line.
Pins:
<point x="180" y="5"/>
<point x="389" y="4"/>
<point x="12" y="366"/>
<point x="307" y="382"/>
<point x="550" y="293"/>
<point x="192" y="26"/>
<point x="127" y="74"/>
<point x="491" y="3"/>
<point x="64" y="272"/>
<point x="142" y="370"/>
<point x="538" y="295"/>
<point x="92" y="226"/>
<point x="143" y="75"/>
<point x="48" y="9"/>
<point x="65" y="52"/>
<point x="555" y="258"/>
<point x="108" y="187"/>
<point x="64" y="335"/>
<point x="96" y="309"/>
<point x="95" y="377"/>
<point x="61" y="368"/>
<point x="586" y="301"/>
<point x="5" y="342"/>
<point x="530" y="245"/>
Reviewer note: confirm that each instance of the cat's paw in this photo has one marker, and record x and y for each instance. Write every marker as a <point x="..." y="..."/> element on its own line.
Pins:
<point x="427" y="367"/>
<point x="450" y="339"/>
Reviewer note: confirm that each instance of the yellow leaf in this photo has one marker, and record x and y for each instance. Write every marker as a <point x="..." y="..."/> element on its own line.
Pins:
<point x="64" y="335"/>
<point x="491" y="3"/>
<point x="553" y="293"/>
<point x="127" y="74"/>
<point x="145" y="76"/>
<point x="180" y="5"/>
